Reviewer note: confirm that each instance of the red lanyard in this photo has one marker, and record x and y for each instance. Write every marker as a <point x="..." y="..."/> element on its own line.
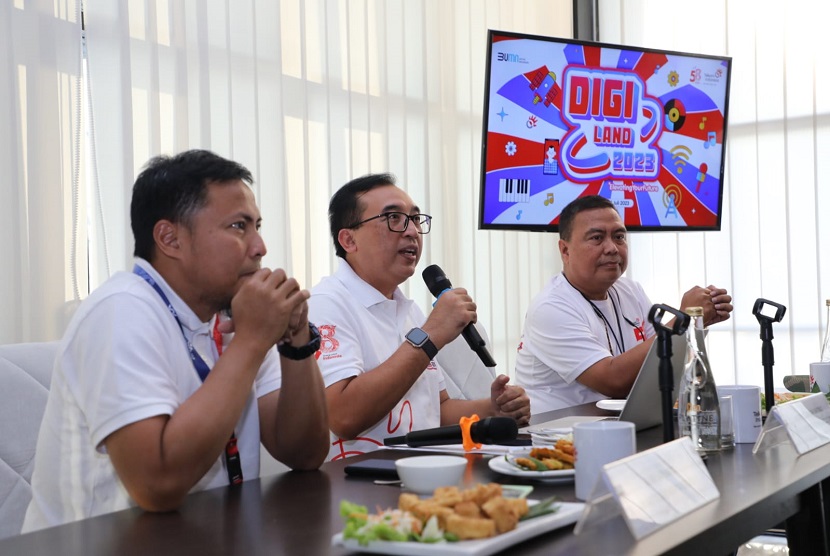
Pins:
<point x="217" y="336"/>
<point x="232" y="458"/>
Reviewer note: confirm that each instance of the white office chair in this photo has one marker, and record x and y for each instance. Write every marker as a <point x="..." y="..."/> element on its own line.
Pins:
<point x="25" y="376"/>
<point x="466" y="376"/>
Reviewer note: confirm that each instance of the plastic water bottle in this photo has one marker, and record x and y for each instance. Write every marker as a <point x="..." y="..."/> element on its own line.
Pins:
<point x="698" y="408"/>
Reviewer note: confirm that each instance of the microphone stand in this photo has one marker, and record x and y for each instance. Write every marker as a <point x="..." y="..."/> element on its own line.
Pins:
<point x="767" y="354"/>
<point x="767" y="360"/>
<point x="664" y="352"/>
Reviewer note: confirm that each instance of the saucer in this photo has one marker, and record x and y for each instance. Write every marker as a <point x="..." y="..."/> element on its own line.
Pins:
<point x="611" y="405"/>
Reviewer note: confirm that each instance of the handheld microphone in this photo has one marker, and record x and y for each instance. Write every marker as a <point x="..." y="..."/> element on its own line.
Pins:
<point x="438" y="283"/>
<point x="491" y="430"/>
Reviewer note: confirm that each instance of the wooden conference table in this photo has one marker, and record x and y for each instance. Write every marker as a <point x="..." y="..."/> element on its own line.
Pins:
<point x="298" y="512"/>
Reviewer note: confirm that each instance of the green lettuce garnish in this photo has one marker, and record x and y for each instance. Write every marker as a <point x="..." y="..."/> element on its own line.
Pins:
<point x="542" y="508"/>
<point x="356" y="526"/>
<point x="355" y="516"/>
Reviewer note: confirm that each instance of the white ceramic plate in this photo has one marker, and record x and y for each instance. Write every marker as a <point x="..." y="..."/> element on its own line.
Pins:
<point x="568" y="513"/>
<point x="549" y="438"/>
<point x="611" y="405"/>
<point x="499" y="465"/>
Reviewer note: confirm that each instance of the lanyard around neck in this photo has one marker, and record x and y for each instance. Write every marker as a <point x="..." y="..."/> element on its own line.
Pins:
<point x="233" y="461"/>
<point x="620" y="341"/>
<point x="198" y="363"/>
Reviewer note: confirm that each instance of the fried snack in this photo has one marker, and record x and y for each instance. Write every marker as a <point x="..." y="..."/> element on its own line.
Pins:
<point x="502" y="514"/>
<point x="477" y="513"/>
<point x="541" y="453"/>
<point x="482" y="493"/>
<point x="562" y="456"/>
<point x="555" y="464"/>
<point x="518" y="505"/>
<point x="447" y="496"/>
<point x="470" y="527"/>
<point x="425" y="509"/>
<point x="527" y="463"/>
<point x="468" y="509"/>
<point x="562" y="451"/>
<point x="407" y="500"/>
<point x="565" y="446"/>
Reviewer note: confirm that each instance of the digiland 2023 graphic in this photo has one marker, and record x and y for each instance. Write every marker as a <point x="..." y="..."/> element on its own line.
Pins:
<point x="564" y="119"/>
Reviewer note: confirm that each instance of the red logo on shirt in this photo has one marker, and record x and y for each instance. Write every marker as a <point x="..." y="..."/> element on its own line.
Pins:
<point x="328" y="343"/>
<point x="354" y="452"/>
<point x="390" y="427"/>
<point x="639" y="333"/>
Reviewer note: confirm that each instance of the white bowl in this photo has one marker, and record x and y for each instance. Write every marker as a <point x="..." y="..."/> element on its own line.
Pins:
<point x="423" y="474"/>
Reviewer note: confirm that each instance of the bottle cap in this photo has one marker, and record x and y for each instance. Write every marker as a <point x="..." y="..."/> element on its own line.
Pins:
<point x="694" y="311"/>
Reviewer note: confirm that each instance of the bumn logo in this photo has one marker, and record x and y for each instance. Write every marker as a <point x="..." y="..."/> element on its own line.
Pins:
<point x="507" y="57"/>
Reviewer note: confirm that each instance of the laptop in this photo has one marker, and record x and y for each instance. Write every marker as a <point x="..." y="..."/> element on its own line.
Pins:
<point x="643" y="405"/>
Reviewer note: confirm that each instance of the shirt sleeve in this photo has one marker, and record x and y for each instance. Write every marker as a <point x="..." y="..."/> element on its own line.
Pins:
<point x="269" y="377"/>
<point x="121" y="366"/>
<point x="341" y="354"/>
<point x="562" y="338"/>
<point x="645" y="307"/>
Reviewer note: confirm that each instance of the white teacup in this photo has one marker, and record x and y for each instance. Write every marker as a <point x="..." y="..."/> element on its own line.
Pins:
<point x="746" y="411"/>
<point x="597" y="443"/>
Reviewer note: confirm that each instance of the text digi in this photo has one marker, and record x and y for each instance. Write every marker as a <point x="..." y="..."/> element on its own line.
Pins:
<point x="614" y="125"/>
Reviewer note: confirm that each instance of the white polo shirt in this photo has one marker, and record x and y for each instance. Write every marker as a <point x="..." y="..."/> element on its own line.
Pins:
<point x="563" y="337"/>
<point x="360" y="329"/>
<point x="124" y="359"/>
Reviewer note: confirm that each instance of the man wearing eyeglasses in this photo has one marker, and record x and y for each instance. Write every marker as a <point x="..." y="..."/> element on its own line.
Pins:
<point x="586" y="334"/>
<point x="377" y="350"/>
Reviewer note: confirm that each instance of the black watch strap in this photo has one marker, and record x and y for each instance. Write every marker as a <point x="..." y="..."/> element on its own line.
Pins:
<point x="420" y="339"/>
<point x="302" y="352"/>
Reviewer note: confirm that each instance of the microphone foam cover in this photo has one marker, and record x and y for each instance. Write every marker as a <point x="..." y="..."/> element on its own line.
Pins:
<point x="436" y="280"/>
<point x="496" y="429"/>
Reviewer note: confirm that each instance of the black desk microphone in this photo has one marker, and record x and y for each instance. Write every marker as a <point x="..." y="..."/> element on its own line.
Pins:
<point x="492" y="430"/>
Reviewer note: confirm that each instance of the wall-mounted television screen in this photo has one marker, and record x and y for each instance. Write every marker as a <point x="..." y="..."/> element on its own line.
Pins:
<point x="565" y="118"/>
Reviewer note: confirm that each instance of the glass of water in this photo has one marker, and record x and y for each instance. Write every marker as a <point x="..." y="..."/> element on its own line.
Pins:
<point x="727" y="427"/>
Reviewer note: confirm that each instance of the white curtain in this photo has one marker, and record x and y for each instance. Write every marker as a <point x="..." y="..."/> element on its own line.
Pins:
<point x="775" y="239"/>
<point x="39" y="85"/>
<point x="308" y="95"/>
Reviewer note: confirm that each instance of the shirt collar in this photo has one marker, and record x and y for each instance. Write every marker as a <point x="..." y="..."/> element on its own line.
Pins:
<point x="365" y="293"/>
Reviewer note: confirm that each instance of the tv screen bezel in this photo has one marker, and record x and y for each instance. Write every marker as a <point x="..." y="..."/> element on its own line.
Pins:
<point x="551" y="227"/>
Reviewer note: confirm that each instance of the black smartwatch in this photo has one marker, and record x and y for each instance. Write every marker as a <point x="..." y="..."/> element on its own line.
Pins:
<point x="420" y="339"/>
<point x="302" y="352"/>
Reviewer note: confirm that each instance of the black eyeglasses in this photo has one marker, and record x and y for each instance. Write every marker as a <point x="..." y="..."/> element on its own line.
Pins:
<point x="399" y="222"/>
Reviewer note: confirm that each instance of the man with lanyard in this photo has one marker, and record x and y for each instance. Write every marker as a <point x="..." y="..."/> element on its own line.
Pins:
<point x="152" y="397"/>
<point x="586" y="334"/>
<point x="377" y="350"/>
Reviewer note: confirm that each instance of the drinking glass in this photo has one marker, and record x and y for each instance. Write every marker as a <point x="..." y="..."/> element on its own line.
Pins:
<point x="727" y="427"/>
